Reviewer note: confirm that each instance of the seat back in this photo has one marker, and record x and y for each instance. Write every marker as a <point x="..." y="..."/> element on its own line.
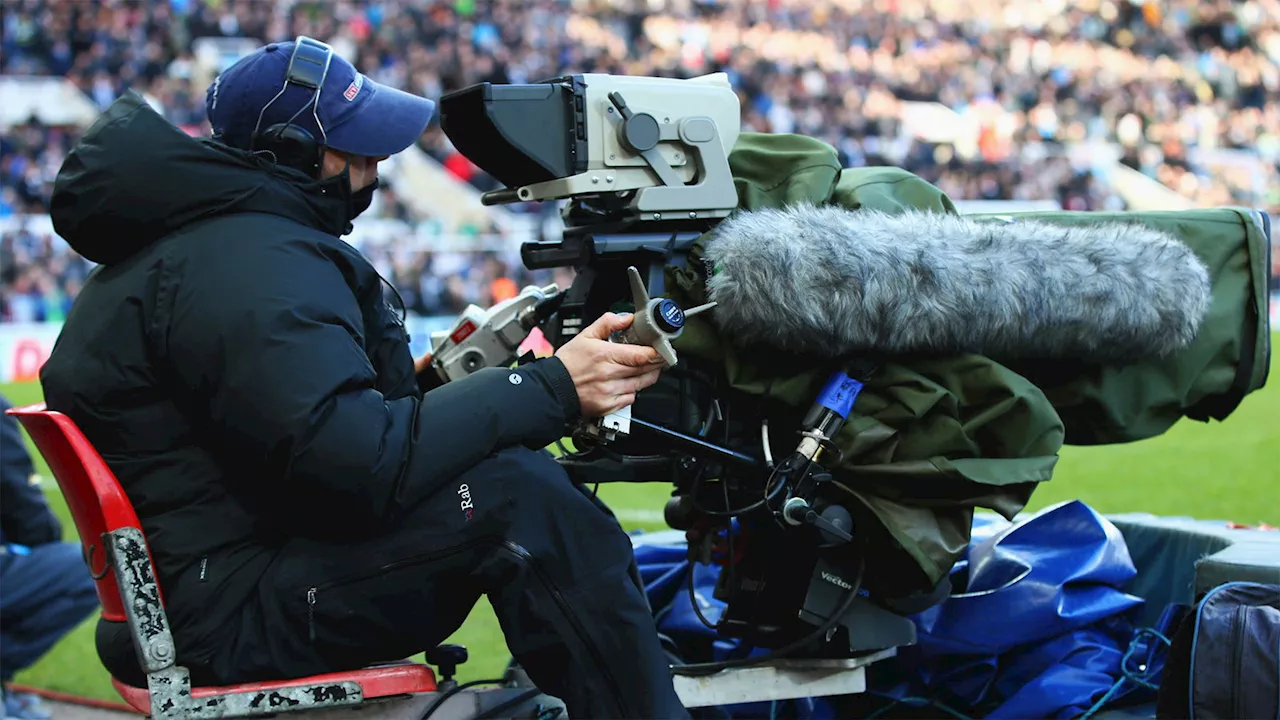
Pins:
<point x="104" y="515"/>
<point x="97" y="502"/>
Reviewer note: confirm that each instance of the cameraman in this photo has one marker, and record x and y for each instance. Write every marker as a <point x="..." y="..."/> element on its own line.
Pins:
<point x="45" y="588"/>
<point x="309" y="507"/>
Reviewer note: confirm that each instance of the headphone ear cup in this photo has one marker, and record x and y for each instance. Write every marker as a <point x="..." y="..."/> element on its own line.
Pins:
<point x="292" y="147"/>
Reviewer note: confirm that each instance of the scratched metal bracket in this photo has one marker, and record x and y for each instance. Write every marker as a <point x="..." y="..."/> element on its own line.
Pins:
<point x="170" y="685"/>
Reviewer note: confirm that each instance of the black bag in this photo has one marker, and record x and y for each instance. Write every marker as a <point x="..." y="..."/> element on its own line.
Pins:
<point x="1224" y="661"/>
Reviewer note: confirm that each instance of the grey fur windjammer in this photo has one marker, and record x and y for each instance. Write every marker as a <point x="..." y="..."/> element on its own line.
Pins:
<point x="833" y="281"/>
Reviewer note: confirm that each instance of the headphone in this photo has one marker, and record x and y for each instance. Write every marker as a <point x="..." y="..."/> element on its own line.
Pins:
<point x="291" y="145"/>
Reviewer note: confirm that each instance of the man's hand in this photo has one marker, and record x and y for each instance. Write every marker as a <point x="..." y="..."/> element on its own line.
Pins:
<point x="422" y="364"/>
<point x="606" y="374"/>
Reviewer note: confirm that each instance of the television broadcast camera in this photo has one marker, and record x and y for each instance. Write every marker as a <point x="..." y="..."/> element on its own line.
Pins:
<point x="644" y="165"/>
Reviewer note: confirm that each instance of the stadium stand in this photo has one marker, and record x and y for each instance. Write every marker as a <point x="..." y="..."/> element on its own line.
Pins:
<point x="1087" y="104"/>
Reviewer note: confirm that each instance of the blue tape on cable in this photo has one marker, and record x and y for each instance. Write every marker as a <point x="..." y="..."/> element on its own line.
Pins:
<point x="839" y="394"/>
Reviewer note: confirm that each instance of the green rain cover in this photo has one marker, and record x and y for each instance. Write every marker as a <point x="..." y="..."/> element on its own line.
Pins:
<point x="934" y="435"/>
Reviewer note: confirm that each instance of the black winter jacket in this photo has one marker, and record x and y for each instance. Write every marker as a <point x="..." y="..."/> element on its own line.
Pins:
<point x="234" y="361"/>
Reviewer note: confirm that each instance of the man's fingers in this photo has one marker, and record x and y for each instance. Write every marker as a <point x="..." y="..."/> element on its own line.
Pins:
<point x="607" y="324"/>
<point x="637" y="356"/>
<point x="628" y="385"/>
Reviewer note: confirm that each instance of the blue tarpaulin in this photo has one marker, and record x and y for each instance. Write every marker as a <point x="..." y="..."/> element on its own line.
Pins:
<point x="1038" y="625"/>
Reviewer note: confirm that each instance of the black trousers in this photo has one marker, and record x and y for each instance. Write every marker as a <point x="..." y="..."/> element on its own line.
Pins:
<point x="557" y="568"/>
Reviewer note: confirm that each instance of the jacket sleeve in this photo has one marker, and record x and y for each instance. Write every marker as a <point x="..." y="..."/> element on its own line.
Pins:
<point x="267" y="350"/>
<point x="25" y="515"/>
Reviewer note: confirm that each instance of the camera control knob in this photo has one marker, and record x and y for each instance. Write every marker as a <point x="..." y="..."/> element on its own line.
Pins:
<point x="657" y="321"/>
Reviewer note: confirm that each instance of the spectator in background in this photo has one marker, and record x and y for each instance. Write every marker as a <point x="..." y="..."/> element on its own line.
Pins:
<point x="45" y="588"/>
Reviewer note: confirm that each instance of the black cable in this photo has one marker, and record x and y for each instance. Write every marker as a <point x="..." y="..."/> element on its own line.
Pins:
<point x="684" y="393"/>
<point x="768" y="492"/>
<point x="728" y="535"/>
<point x="732" y="512"/>
<point x="700" y="669"/>
<point x="567" y="454"/>
<point x="404" y="308"/>
<point x="605" y="451"/>
<point x="454" y="691"/>
<point x="693" y="600"/>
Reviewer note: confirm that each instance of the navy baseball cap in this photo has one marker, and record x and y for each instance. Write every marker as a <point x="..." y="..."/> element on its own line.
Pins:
<point x="358" y="116"/>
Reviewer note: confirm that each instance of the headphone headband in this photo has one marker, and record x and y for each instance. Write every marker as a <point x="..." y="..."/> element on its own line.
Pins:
<point x="291" y="144"/>
<point x="310" y="63"/>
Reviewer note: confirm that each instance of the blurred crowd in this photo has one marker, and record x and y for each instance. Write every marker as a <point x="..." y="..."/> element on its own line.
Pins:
<point x="1183" y="87"/>
<point x="40" y="274"/>
<point x="988" y="99"/>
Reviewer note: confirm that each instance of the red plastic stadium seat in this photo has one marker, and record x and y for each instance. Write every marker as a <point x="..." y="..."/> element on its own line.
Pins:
<point x="128" y="591"/>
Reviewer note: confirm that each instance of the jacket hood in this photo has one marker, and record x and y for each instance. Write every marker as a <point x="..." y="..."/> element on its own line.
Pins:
<point x="134" y="178"/>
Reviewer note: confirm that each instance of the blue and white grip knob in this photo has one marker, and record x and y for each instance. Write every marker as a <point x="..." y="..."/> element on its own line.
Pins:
<point x="657" y="321"/>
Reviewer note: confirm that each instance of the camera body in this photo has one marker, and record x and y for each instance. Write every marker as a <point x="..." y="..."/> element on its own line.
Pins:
<point x="643" y="163"/>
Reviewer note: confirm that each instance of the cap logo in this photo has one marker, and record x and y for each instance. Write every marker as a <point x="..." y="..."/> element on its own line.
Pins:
<point x="354" y="88"/>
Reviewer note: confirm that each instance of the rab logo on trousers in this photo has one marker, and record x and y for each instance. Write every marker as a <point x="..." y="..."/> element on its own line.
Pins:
<point x="465" y="493"/>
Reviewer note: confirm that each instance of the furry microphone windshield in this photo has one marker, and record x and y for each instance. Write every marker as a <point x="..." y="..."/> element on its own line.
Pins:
<point x="831" y="281"/>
